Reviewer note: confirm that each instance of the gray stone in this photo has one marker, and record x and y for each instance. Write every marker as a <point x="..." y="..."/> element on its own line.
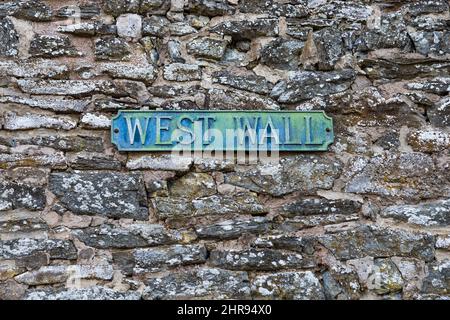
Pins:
<point x="90" y="293"/>
<point x="55" y="160"/>
<point x="56" y="249"/>
<point x="303" y="285"/>
<point x="16" y="195"/>
<point x="402" y="67"/>
<point x="133" y="236"/>
<point x="23" y="226"/>
<point x="301" y="173"/>
<point x="115" y="195"/>
<point x="303" y="222"/>
<point x="143" y="72"/>
<point x="13" y="121"/>
<point x="88" y="29"/>
<point x="431" y="42"/>
<point x="439" y="85"/>
<point x="292" y="9"/>
<point x="34" y="69"/>
<point x="204" y="283"/>
<point x="174" y="50"/>
<point x="129" y="25"/>
<point x="112" y="48"/>
<point x="247" y="29"/>
<point x="379" y="242"/>
<point x="89" y="160"/>
<point x="9" y="38"/>
<point x="341" y="283"/>
<point x="156" y="26"/>
<point x="161" y="162"/>
<point x="391" y="33"/>
<point x="231" y="229"/>
<point x="209" y="8"/>
<point x="11" y="290"/>
<point x="59" y="274"/>
<point x="430" y="23"/>
<point x="330" y="47"/>
<point x="443" y="242"/>
<point x="295" y="30"/>
<point x="182" y="72"/>
<point x="435" y="213"/>
<point x="437" y="280"/>
<point x="389" y="141"/>
<point x="233" y="99"/>
<point x="54" y="104"/>
<point x="385" y="278"/>
<point x="181" y="29"/>
<point x="84" y="11"/>
<point x="78" y="88"/>
<point x="208" y="48"/>
<point x="308" y="207"/>
<point x="304" y="245"/>
<point x="258" y="260"/>
<point x="52" y="46"/>
<point x="398" y="175"/>
<point x="425" y="7"/>
<point x="158" y="7"/>
<point x="174" y="208"/>
<point x="304" y="85"/>
<point x="282" y="54"/>
<point x="439" y="113"/>
<point x="33" y="10"/>
<point x="61" y="142"/>
<point x="248" y="82"/>
<point x="112" y="105"/>
<point x="193" y="185"/>
<point x="157" y="259"/>
<point x="117" y="7"/>
<point x="349" y="10"/>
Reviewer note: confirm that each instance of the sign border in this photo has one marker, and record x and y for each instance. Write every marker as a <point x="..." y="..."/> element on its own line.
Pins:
<point x="119" y="112"/>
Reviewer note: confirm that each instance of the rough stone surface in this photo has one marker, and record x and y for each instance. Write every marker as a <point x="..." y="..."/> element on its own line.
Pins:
<point x="259" y="259"/>
<point x="115" y="195"/>
<point x="300" y="173"/>
<point x="288" y="285"/>
<point x="153" y="260"/>
<point x="51" y="46"/>
<point x="56" y="249"/>
<point x="239" y="29"/>
<point x="379" y="242"/>
<point x="91" y="293"/>
<point x="428" y="214"/>
<point x="137" y="235"/>
<point x="111" y="48"/>
<point x="182" y="72"/>
<point x="202" y="283"/>
<point x="9" y="38"/>
<point x="16" y="195"/>
<point x="233" y="228"/>
<point x="177" y="207"/>
<point x="366" y="219"/>
<point x="246" y="82"/>
<point x="207" y="48"/>
<point x="282" y="54"/>
<point x="305" y="85"/>
<point x="408" y="175"/>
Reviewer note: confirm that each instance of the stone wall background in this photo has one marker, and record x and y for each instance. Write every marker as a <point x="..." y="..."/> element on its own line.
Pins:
<point x="368" y="219"/>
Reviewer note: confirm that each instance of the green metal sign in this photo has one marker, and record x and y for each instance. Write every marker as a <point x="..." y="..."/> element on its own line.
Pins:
<point x="222" y="130"/>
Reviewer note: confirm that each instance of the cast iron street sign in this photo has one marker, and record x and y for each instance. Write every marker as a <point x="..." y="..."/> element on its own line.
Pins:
<point x="222" y="130"/>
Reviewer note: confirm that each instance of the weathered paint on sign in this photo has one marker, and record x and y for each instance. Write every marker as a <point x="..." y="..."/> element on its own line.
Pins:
<point x="222" y="130"/>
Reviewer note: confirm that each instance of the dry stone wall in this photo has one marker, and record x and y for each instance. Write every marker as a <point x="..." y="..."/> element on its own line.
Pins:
<point x="367" y="219"/>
